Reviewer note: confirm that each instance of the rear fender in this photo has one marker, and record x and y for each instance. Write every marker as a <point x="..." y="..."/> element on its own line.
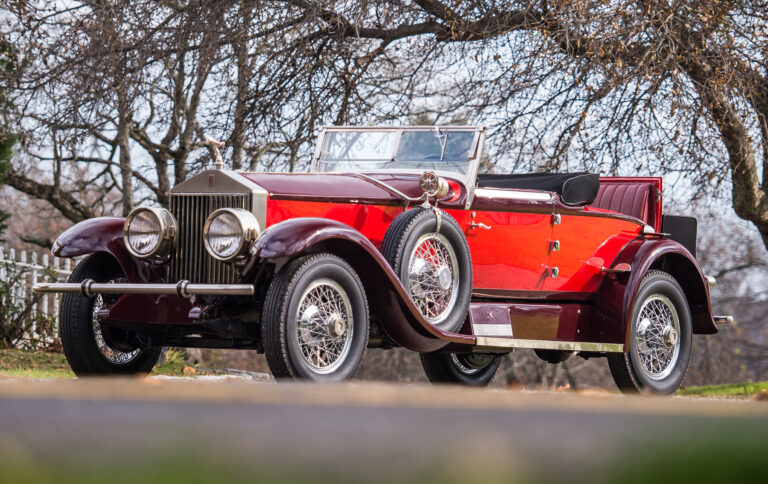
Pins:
<point x="387" y="298"/>
<point x="616" y="297"/>
<point x="105" y="234"/>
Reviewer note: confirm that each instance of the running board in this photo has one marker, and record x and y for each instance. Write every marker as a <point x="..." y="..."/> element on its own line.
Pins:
<point x="490" y="342"/>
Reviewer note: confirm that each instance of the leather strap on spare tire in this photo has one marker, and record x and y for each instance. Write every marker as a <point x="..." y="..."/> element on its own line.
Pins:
<point x="433" y="263"/>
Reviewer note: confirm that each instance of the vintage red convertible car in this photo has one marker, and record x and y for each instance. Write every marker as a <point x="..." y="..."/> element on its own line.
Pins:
<point x="393" y="239"/>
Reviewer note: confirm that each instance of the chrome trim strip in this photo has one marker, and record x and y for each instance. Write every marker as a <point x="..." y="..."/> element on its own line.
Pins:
<point x="491" y="342"/>
<point x="106" y="288"/>
<point x="474" y="165"/>
<point x="492" y="330"/>
<point x="505" y="194"/>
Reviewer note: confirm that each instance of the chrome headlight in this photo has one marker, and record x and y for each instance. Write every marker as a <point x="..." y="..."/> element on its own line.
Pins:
<point x="228" y="232"/>
<point x="149" y="232"/>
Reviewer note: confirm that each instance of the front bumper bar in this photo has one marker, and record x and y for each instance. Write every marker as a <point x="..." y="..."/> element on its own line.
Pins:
<point x="90" y="288"/>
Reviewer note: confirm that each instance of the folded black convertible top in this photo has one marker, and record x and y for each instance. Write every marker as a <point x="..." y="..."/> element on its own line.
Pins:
<point x="573" y="188"/>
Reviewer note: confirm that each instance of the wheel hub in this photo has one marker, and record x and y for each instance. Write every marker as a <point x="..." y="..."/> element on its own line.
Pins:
<point x="657" y="338"/>
<point x="325" y="326"/>
<point x="336" y="325"/>
<point x="433" y="277"/>
<point x="444" y="277"/>
<point x="670" y="336"/>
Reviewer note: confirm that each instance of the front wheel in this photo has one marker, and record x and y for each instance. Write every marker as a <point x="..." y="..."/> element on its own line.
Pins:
<point x="91" y="348"/>
<point x="315" y="320"/>
<point x="473" y="369"/>
<point x="659" y="340"/>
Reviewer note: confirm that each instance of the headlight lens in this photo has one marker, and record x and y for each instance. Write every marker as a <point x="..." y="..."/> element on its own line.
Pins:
<point x="228" y="232"/>
<point x="149" y="232"/>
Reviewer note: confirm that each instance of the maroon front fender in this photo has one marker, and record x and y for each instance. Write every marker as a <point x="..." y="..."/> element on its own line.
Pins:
<point x="387" y="298"/>
<point x="105" y="234"/>
<point x="617" y="296"/>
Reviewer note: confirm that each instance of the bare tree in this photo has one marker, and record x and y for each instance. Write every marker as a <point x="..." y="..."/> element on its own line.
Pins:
<point x="620" y="87"/>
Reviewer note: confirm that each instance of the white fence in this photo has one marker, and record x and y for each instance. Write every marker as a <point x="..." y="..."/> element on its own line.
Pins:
<point x="19" y="271"/>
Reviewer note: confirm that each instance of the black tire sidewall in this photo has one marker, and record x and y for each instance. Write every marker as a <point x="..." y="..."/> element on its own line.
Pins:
<point x="424" y="224"/>
<point x="440" y="368"/>
<point x="480" y="378"/>
<point x="664" y="285"/>
<point x="327" y="269"/>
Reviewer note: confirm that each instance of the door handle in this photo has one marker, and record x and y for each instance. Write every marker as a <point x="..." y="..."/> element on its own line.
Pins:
<point x="480" y="225"/>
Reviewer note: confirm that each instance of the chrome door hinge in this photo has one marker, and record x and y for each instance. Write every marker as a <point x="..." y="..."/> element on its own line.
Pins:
<point x="555" y="245"/>
<point x="555" y="272"/>
<point x="556" y="219"/>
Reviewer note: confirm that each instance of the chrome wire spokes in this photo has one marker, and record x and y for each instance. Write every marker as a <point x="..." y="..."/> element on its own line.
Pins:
<point x="658" y="336"/>
<point x="471" y="363"/>
<point x="324" y="325"/>
<point x="112" y="355"/>
<point x="433" y="277"/>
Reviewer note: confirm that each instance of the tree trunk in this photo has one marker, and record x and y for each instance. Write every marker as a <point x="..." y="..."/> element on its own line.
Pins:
<point x="124" y="145"/>
<point x="243" y="74"/>
<point x="749" y="198"/>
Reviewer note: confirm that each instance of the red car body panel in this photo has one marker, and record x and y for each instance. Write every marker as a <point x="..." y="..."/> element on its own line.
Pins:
<point x="370" y="220"/>
<point x="587" y="244"/>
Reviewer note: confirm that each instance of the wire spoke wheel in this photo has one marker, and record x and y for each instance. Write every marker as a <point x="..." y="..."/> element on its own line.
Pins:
<point x="433" y="277"/>
<point x="433" y="264"/>
<point x="471" y="363"/>
<point x="659" y="339"/>
<point x="112" y="355"/>
<point x="657" y="336"/>
<point x="94" y="348"/>
<point x="324" y="325"/>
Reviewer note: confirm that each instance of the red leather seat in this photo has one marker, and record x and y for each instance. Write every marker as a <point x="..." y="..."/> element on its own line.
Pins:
<point x="637" y="199"/>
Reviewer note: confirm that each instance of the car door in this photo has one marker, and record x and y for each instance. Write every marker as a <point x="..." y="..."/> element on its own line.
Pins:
<point x="583" y="242"/>
<point x="508" y="232"/>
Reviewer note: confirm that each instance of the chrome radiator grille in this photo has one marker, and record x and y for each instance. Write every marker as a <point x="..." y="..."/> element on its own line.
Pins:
<point x="191" y="261"/>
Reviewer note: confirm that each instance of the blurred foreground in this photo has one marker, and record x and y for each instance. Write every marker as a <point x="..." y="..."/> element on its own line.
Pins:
<point x="160" y="430"/>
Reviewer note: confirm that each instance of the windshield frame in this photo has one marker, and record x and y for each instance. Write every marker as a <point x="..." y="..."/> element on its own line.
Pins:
<point x="467" y="179"/>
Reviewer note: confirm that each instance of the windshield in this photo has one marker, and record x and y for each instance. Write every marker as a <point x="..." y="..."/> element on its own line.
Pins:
<point x="421" y="149"/>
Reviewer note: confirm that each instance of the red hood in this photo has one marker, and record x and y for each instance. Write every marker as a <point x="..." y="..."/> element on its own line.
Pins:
<point x="333" y="187"/>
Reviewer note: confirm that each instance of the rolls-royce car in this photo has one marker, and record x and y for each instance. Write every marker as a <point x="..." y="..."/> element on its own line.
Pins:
<point x="392" y="240"/>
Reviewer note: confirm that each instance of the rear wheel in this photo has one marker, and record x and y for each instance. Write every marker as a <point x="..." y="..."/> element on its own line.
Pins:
<point x="659" y="341"/>
<point x="90" y="347"/>
<point x="474" y="369"/>
<point x="315" y="320"/>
